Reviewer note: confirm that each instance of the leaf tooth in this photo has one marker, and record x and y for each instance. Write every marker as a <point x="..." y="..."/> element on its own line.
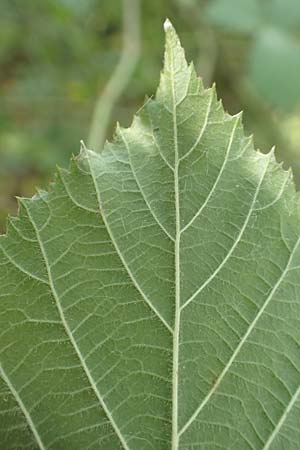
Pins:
<point x="83" y="148"/>
<point x="136" y="121"/>
<point x="119" y="130"/>
<point x="272" y="154"/>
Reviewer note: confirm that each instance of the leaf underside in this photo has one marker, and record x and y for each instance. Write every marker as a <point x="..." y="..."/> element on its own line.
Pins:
<point x="151" y="299"/>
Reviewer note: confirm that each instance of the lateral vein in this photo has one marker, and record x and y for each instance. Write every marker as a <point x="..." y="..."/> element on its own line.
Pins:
<point x="23" y="408"/>
<point x="205" y="123"/>
<point x="134" y="281"/>
<point x="239" y="347"/>
<point x="216" y="181"/>
<point x="242" y="230"/>
<point x="282" y="419"/>
<point x="72" y="339"/>
<point x="142" y="193"/>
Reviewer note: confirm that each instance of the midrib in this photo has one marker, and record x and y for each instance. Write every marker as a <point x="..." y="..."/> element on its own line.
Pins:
<point x="177" y="273"/>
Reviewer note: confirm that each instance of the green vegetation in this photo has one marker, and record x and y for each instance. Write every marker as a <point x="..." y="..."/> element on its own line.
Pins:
<point x="150" y="300"/>
<point x="57" y="56"/>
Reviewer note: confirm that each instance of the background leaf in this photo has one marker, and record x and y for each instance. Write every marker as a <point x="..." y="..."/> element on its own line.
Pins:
<point x="235" y="16"/>
<point x="276" y="57"/>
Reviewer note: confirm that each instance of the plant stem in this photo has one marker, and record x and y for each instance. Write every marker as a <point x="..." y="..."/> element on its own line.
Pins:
<point x="120" y="77"/>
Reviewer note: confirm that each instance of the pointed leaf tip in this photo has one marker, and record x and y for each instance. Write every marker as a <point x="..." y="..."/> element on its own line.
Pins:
<point x="167" y="25"/>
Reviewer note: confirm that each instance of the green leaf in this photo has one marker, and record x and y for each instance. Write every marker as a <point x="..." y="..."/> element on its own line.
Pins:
<point x="275" y="66"/>
<point x="151" y="298"/>
<point x="285" y="14"/>
<point x="242" y="16"/>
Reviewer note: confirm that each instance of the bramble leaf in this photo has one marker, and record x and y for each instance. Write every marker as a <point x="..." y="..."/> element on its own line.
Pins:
<point x="151" y="299"/>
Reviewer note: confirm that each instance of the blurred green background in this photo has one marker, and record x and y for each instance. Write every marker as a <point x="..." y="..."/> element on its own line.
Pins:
<point x="57" y="56"/>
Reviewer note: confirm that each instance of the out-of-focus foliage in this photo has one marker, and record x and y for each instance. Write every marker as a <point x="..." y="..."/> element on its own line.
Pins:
<point x="258" y="43"/>
<point x="57" y="55"/>
<point x="242" y="16"/>
<point x="274" y="60"/>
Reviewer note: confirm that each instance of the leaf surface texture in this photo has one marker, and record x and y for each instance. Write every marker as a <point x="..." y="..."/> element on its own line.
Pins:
<point x="151" y="299"/>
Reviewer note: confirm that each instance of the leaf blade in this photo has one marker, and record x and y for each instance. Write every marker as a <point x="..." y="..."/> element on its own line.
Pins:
<point x="140" y="288"/>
